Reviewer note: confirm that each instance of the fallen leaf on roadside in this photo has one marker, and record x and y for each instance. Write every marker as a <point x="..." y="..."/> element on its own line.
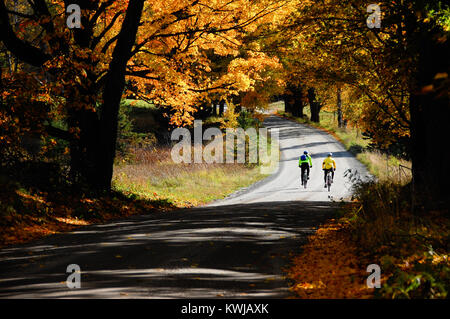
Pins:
<point x="328" y="266"/>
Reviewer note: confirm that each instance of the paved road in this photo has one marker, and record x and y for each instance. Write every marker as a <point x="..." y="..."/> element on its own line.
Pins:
<point x="233" y="248"/>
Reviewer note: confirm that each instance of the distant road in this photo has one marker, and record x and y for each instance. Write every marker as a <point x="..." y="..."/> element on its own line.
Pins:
<point x="284" y="184"/>
<point x="233" y="248"/>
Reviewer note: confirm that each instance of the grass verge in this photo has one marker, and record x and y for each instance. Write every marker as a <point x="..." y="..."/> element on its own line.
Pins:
<point x="153" y="176"/>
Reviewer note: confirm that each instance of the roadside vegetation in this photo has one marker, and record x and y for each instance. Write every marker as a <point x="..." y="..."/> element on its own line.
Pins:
<point x="148" y="171"/>
<point x="153" y="175"/>
<point x="30" y="211"/>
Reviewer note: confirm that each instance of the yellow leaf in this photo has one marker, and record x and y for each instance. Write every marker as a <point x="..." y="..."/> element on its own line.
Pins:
<point x="440" y="76"/>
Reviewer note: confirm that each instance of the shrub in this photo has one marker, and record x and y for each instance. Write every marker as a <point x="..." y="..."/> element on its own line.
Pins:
<point x="246" y="120"/>
<point x="356" y="149"/>
<point x="127" y="137"/>
<point x="427" y="277"/>
<point x="412" y="249"/>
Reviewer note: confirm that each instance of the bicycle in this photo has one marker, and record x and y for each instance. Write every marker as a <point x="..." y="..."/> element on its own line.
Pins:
<point x="304" y="178"/>
<point x="329" y="180"/>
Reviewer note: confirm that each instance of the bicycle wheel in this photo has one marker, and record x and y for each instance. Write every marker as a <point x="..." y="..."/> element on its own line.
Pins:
<point x="329" y="182"/>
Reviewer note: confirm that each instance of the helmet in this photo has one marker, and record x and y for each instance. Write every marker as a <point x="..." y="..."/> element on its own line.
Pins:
<point x="330" y="154"/>
<point x="305" y="152"/>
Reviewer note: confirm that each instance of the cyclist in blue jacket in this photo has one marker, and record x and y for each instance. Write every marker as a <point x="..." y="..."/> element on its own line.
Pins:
<point x="305" y="163"/>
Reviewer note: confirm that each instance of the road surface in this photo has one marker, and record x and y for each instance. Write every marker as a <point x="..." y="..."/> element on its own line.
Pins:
<point x="232" y="248"/>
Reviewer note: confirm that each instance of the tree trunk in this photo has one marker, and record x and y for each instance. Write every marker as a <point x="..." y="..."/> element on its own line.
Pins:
<point x="314" y="105"/>
<point x="430" y="112"/>
<point x="112" y="93"/>
<point x="83" y="146"/>
<point x="288" y="103"/>
<point x="293" y="100"/>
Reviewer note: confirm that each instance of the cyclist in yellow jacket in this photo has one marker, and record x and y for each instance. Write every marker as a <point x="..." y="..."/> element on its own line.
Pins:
<point x="328" y="165"/>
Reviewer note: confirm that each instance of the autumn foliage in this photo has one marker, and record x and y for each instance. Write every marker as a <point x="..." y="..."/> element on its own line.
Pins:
<point x="329" y="266"/>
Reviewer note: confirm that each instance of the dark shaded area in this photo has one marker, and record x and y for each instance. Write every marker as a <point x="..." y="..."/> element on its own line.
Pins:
<point x="314" y="104"/>
<point x="430" y="110"/>
<point x="294" y="99"/>
<point x="230" y="251"/>
<point x="150" y="121"/>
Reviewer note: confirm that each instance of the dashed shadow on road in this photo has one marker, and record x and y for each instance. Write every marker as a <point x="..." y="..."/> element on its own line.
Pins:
<point x="235" y="251"/>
